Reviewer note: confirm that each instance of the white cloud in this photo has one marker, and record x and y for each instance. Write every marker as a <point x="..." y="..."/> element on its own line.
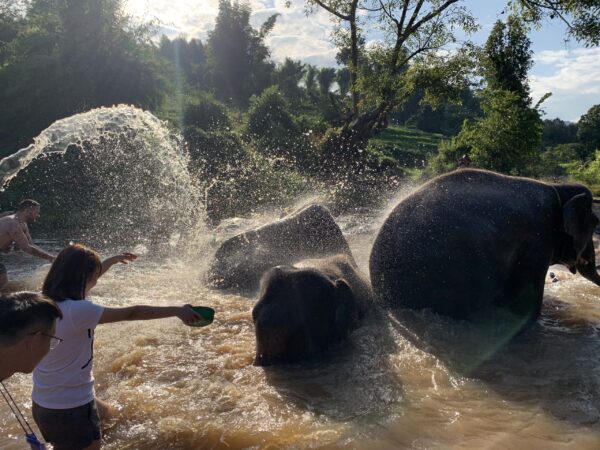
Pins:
<point x="295" y="34"/>
<point x="573" y="77"/>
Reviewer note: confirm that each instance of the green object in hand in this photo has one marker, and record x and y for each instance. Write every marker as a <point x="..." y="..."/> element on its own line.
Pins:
<point x="206" y="314"/>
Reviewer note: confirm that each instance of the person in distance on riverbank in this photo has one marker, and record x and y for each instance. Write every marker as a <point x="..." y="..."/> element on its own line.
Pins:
<point x="14" y="229"/>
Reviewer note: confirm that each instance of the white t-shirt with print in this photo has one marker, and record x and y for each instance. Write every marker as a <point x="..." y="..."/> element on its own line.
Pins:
<point x="63" y="379"/>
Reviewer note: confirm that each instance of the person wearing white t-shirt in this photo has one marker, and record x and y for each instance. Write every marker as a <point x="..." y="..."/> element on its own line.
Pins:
<point x="64" y="405"/>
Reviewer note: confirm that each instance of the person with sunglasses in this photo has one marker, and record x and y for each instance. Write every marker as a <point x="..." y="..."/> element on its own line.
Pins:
<point x="27" y="324"/>
<point x="27" y="327"/>
<point x="64" y="404"/>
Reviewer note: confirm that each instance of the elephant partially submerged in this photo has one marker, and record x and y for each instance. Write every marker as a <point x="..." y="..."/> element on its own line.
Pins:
<point x="472" y="240"/>
<point x="308" y="233"/>
<point x="303" y="310"/>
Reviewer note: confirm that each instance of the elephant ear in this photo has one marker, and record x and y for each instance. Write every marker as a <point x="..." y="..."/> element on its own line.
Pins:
<point x="345" y="312"/>
<point x="576" y="220"/>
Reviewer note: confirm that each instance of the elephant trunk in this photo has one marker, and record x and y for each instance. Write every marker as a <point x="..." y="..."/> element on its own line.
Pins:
<point x="586" y="265"/>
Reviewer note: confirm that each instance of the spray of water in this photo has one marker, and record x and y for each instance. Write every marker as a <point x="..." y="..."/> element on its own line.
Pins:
<point x="112" y="174"/>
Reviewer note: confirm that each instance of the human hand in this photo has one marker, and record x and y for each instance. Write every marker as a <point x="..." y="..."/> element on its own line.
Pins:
<point x="123" y="258"/>
<point x="188" y="315"/>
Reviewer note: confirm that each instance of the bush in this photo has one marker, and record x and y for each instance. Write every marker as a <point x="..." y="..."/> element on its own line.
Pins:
<point x="212" y="152"/>
<point x="207" y="114"/>
<point x="587" y="173"/>
<point x="269" y="116"/>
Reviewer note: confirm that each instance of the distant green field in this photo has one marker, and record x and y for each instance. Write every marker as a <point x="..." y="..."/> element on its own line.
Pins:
<point x="409" y="146"/>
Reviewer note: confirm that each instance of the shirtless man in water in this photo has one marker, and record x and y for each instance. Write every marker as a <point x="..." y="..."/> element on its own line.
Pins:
<point x="13" y="228"/>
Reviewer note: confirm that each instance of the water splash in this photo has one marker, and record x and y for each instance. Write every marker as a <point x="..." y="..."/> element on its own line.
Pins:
<point x="112" y="174"/>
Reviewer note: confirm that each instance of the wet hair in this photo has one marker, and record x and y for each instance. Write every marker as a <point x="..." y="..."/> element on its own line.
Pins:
<point x="20" y="312"/>
<point x="27" y="203"/>
<point x="70" y="272"/>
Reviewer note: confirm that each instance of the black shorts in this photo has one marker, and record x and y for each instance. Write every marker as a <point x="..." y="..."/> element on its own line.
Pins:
<point x="68" y="429"/>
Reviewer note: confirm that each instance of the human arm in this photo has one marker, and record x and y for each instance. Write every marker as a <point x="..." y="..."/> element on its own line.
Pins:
<point x="143" y="312"/>
<point x="121" y="258"/>
<point x="23" y="240"/>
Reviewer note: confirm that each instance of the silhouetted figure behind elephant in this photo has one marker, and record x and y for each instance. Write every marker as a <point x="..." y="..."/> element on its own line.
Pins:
<point x="303" y="310"/>
<point x="471" y="240"/>
<point x="308" y="233"/>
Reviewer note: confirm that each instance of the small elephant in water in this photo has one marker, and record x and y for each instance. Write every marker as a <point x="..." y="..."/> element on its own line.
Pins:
<point x="241" y="260"/>
<point x="304" y="309"/>
<point x="473" y="240"/>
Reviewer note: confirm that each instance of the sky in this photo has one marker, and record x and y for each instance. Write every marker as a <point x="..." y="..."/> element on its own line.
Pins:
<point x="568" y="70"/>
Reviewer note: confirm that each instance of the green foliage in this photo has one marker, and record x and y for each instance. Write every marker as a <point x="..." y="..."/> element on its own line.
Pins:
<point x="505" y="139"/>
<point x="207" y="114"/>
<point x="276" y="133"/>
<point x="582" y="16"/>
<point x="507" y="58"/>
<point x="342" y="77"/>
<point x="238" y="57"/>
<point x="269" y="116"/>
<point x="288" y="76"/>
<point x="409" y="147"/>
<point x="214" y="152"/>
<point x="557" y="161"/>
<point x="325" y="78"/>
<point x="253" y="183"/>
<point x="588" y="129"/>
<point x="557" y="131"/>
<point x="188" y="58"/>
<point x="588" y="173"/>
<point x="72" y="55"/>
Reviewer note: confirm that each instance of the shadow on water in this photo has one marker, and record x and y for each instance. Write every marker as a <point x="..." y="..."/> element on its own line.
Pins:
<point x="551" y="364"/>
<point x="354" y="382"/>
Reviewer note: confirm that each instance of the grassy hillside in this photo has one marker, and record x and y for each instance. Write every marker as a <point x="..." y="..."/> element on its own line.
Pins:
<point x="409" y="146"/>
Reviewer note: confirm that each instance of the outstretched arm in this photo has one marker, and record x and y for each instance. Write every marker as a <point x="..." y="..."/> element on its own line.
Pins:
<point x="122" y="258"/>
<point x="24" y="242"/>
<point x="144" y="312"/>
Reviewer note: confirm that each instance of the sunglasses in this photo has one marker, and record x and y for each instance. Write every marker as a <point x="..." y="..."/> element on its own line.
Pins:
<point x="54" y="340"/>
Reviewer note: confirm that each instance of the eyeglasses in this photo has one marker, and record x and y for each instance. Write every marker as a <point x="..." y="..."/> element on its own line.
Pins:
<point x="54" y="340"/>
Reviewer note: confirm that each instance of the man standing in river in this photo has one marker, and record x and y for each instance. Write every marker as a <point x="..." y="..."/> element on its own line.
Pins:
<point x="13" y="229"/>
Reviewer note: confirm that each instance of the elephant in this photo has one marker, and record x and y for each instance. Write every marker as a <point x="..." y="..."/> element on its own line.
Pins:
<point x="309" y="232"/>
<point x="477" y="242"/>
<point x="304" y="310"/>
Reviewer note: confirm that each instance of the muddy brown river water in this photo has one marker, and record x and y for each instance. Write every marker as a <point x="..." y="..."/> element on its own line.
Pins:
<point x="408" y="380"/>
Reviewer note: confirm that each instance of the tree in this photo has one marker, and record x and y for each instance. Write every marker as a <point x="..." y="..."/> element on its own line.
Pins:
<point x="310" y="79"/>
<point x="188" y="58"/>
<point x="342" y="78"/>
<point x="507" y="58"/>
<point x="288" y="76"/>
<point x="72" y="55"/>
<point x="238" y="57"/>
<point x="588" y="129"/>
<point x="383" y="76"/>
<point x="325" y="77"/>
<point x="582" y="17"/>
<point x="557" y="131"/>
<point x="506" y="138"/>
<point x="508" y="135"/>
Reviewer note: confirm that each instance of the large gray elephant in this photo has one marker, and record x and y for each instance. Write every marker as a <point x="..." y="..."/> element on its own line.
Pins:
<point x="241" y="260"/>
<point x="472" y="240"/>
<point x="303" y="310"/>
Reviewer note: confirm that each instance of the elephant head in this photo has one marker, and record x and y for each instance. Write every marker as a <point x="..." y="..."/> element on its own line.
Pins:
<point x="579" y="221"/>
<point x="300" y="314"/>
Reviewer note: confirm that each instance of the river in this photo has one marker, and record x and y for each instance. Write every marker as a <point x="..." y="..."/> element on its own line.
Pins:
<point x="406" y="380"/>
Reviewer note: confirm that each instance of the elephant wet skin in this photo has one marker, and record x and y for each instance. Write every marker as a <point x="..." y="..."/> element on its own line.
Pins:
<point x="474" y="240"/>
<point x="241" y="260"/>
<point x="304" y="310"/>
